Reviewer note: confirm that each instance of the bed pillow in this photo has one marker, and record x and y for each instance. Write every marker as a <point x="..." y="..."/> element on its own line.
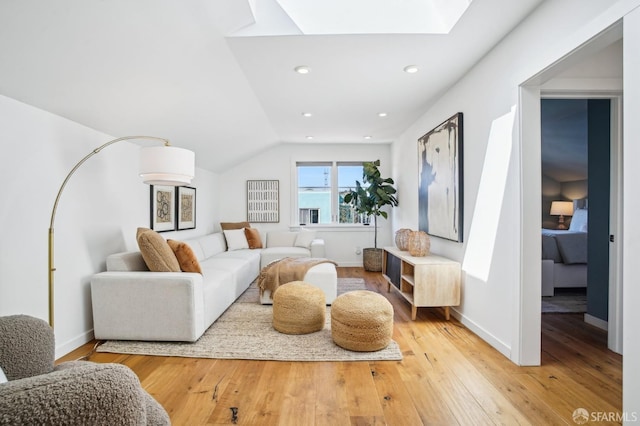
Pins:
<point x="579" y="221"/>
<point x="236" y="240"/>
<point x="550" y="248"/>
<point x="156" y="252"/>
<point x="304" y="238"/>
<point x="253" y="238"/>
<point x="572" y="247"/>
<point x="185" y="255"/>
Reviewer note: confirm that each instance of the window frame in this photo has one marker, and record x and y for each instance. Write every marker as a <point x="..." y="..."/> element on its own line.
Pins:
<point x="335" y="208"/>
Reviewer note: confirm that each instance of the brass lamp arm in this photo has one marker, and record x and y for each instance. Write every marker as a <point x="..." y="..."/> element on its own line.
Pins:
<point x="55" y="208"/>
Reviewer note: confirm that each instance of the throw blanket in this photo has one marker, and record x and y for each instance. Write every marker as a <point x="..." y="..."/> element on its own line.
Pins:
<point x="286" y="270"/>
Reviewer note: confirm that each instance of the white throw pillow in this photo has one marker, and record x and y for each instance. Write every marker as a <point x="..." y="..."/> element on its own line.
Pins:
<point x="304" y="238"/>
<point x="3" y="378"/>
<point x="236" y="239"/>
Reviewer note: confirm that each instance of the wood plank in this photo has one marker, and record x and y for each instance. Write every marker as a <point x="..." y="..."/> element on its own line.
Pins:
<point x="448" y="376"/>
<point x="237" y="401"/>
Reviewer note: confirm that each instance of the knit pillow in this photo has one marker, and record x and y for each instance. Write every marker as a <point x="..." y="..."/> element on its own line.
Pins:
<point x="156" y="252"/>
<point x="185" y="255"/>
<point x="253" y="238"/>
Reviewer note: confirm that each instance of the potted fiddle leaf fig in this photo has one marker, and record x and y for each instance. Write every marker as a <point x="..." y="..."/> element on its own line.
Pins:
<point x="368" y="199"/>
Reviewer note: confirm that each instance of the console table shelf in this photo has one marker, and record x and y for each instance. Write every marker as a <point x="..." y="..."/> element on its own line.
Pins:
<point x="427" y="281"/>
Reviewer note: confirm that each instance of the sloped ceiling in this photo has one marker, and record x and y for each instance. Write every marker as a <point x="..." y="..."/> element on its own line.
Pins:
<point x="167" y="68"/>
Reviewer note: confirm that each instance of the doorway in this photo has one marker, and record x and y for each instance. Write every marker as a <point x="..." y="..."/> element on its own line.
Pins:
<point x="554" y="80"/>
<point x="576" y="158"/>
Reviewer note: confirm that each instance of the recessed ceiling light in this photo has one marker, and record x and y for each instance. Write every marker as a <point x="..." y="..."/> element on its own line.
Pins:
<point x="382" y="114"/>
<point x="309" y="138"/>
<point x="302" y="69"/>
<point x="367" y="137"/>
<point x="306" y="114"/>
<point x="411" y="69"/>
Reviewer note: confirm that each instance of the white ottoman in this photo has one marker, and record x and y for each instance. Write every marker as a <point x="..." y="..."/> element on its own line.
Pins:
<point x="323" y="276"/>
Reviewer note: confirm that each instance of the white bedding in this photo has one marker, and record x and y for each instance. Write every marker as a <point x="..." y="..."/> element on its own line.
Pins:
<point x="564" y="255"/>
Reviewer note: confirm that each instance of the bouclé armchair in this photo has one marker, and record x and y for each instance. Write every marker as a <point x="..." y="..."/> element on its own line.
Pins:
<point x="76" y="392"/>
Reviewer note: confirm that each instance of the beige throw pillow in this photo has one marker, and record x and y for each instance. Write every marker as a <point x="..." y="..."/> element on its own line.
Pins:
<point x="185" y="255"/>
<point x="156" y="252"/>
<point x="225" y="226"/>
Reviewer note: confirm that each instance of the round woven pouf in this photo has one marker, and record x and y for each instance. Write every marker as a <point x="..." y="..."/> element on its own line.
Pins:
<point x="298" y="308"/>
<point x="361" y="321"/>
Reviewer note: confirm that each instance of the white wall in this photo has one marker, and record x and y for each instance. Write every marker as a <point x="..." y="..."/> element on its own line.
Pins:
<point x="488" y="96"/>
<point x="631" y="237"/>
<point x="99" y="211"/>
<point x="279" y="163"/>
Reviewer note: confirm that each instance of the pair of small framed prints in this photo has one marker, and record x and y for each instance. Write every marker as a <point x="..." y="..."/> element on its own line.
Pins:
<point x="172" y="208"/>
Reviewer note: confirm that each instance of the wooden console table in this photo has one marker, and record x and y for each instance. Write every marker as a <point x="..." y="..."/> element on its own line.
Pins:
<point x="423" y="281"/>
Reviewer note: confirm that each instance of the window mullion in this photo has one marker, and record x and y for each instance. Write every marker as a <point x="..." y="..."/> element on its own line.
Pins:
<point x="334" y="193"/>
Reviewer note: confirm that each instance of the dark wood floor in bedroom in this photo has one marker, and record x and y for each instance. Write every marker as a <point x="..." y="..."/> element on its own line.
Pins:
<point x="448" y="376"/>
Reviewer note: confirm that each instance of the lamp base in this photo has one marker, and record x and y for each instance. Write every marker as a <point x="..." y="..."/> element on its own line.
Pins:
<point x="561" y="225"/>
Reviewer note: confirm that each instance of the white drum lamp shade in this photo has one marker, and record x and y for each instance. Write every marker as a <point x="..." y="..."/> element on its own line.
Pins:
<point x="166" y="165"/>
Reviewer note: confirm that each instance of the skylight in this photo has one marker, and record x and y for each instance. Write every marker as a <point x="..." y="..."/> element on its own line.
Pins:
<point x="314" y="17"/>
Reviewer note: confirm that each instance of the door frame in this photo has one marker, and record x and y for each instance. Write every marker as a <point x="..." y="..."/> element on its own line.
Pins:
<point x="527" y="349"/>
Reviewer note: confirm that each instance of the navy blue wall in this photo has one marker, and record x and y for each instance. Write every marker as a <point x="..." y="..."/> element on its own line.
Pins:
<point x="599" y="135"/>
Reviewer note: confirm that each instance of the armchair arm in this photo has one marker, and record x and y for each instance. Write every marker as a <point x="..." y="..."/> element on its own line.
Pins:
<point x="86" y="393"/>
<point x="165" y="306"/>
<point x="27" y="346"/>
<point x="317" y="248"/>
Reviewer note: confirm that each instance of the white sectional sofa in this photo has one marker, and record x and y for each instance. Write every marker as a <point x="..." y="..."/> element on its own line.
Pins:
<point x="132" y="303"/>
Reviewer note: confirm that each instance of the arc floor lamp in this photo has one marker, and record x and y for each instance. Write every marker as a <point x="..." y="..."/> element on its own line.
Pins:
<point x="159" y="165"/>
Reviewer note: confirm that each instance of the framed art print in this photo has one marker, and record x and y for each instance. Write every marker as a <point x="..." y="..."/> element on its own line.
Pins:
<point x="186" y="207"/>
<point x="262" y="201"/>
<point x="162" y="208"/>
<point x="440" y="182"/>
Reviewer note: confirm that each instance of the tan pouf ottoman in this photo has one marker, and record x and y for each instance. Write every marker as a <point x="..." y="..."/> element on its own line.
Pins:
<point x="298" y="308"/>
<point x="361" y="321"/>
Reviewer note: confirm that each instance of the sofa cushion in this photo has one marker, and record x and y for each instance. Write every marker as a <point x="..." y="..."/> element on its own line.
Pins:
<point x="211" y="245"/>
<point x="156" y="252"/>
<point x="281" y="239"/>
<point x="304" y="238"/>
<point x="236" y="240"/>
<point x="126" y="261"/>
<point x="185" y="255"/>
<point x="253" y="238"/>
<point x="268" y="255"/>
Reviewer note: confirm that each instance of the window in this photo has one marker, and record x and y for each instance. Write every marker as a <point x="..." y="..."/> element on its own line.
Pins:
<point x="309" y="215"/>
<point x="321" y="189"/>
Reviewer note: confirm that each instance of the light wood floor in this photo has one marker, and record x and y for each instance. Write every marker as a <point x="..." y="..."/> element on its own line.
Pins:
<point x="448" y="376"/>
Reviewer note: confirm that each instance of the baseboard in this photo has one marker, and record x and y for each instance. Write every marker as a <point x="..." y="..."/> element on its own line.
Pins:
<point x="496" y="343"/>
<point x="596" y="322"/>
<point x="73" y="344"/>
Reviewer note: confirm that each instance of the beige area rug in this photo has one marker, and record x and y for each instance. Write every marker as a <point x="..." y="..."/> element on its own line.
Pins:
<point x="244" y="331"/>
<point x="564" y="304"/>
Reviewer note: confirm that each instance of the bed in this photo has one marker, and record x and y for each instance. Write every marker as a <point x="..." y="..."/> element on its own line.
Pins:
<point x="564" y="255"/>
